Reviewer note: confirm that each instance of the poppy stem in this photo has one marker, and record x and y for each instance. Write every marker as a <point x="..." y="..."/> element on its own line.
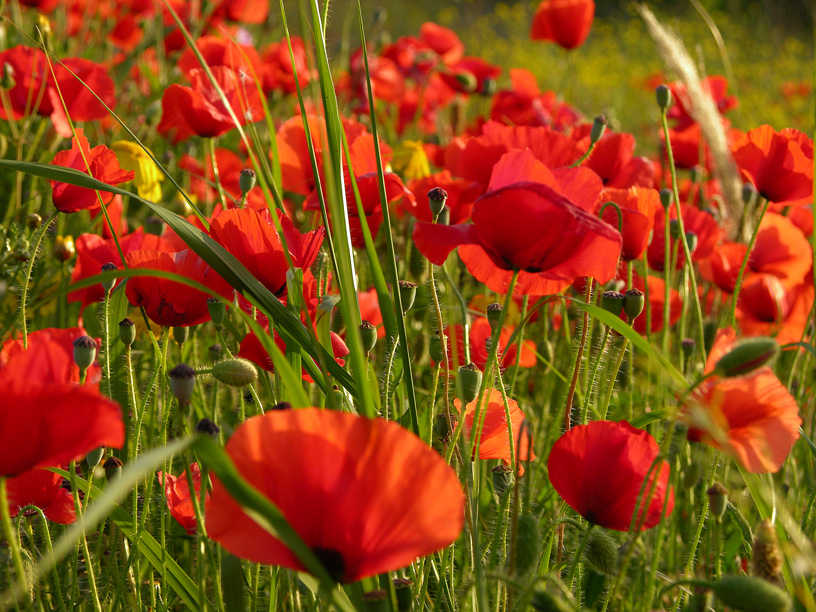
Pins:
<point x="83" y="539"/>
<point x="216" y="175"/>
<point x="605" y="406"/>
<point x="22" y="590"/>
<point x="744" y="265"/>
<point x="588" y="391"/>
<point x="578" y="554"/>
<point x="578" y="356"/>
<point x="106" y="331"/>
<point x="37" y="240"/>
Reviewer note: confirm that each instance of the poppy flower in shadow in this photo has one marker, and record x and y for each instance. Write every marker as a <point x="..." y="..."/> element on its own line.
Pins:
<point x="177" y="494"/>
<point x="387" y="496"/>
<point x="526" y="104"/>
<point x="699" y="222"/>
<point x="599" y="469"/>
<point x="767" y="308"/>
<point x="41" y="488"/>
<point x="564" y="22"/>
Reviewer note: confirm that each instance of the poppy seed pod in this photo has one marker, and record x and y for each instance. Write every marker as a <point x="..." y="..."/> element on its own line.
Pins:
<point x="467" y="80"/>
<point x="489" y="87"/>
<point x="747" y="594"/>
<point x="612" y="301"/>
<point x="502" y="479"/>
<point x="368" y="334"/>
<point x="666" y="198"/>
<point x="112" y="467"/>
<point x="127" y="332"/>
<point x="494" y="311"/>
<point x="206" y="427"/>
<point x="246" y="181"/>
<point x="376" y="601"/>
<point x="688" y="345"/>
<point x="217" y="311"/>
<point x="444" y="216"/>
<point x="747" y="356"/>
<point x="408" y="292"/>
<point x="84" y="352"/>
<point x="468" y="382"/>
<point x="602" y="552"/>
<point x="405" y="595"/>
<point x="108" y="285"/>
<point x="674" y="229"/>
<point x="181" y="334"/>
<point x="717" y="500"/>
<point x="598" y="128"/>
<point x="663" y="96"/>
<point x="182" y="382"/>
<point x="633" y="303"/>
<point x="692" y="240"/>
<point x="436" y="199"/>
<point x="236" y="372"/>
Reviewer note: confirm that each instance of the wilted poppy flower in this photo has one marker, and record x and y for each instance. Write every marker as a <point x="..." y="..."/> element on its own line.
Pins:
<point x="599" y="469"/>
<point x="564" y="22"/>
<point x="779" y="164"/>
<point x="251" y="236"/>
<point x="526" y="104"/>
<point x="494" y="438"/>
<point x="104" y="167"/>
<point x="388" y="497"/>
<point x="531" y="229"/>
<point x="754" y="418"/>
<point x="179" y="502"/>
<point x="480" y="333"/>
<point x="638" y="208"/>
<point x="766" y="308"/>
<point x="41" y="488"/>
<point x="199" y="110"/>
<point x="169" y="303"/>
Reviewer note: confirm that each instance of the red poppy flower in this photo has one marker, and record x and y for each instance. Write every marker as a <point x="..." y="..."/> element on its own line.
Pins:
<point x="480" y="333"/>
<point x="387" y="82"/>
<point x="52" y="350"/>
<point x="242" y="59"/>
<point x="45" y="420"/>
<point x="530" y="228"/>
<point x="42" y="488"/>
<point x="370" y="310"/>
<point x="169" y="303"/>
<point x="699" y="222"/>
<point x="564" y="22"/>
<point x="104" y="167"/>
<point x="179" y="502"/>
<point x="469" y="75"/>
<point x="779" y="164"/>
<point x="638" y="207"/>
<point x="199" y="110"/>
<point x="599" y="469"/>
<point x="442" y="41"/>
<point x="389" y="497"/>
<point x="461" y="196"/>
<point x="278" y="73"/>
<point x="251" y="236"/>
<point x="126" y="34"/>
<point x="715" y="86"/>
<point x="419" y="106"/>
<point x="766" y="308"/>
<point x="614" y="160"/>
<point x="244" y="11"/>
<point x="754" y="418"/>
<point x="526" y="104"/>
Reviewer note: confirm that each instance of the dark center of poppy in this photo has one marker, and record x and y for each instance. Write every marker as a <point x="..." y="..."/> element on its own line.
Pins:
<point x="332" y="562"/>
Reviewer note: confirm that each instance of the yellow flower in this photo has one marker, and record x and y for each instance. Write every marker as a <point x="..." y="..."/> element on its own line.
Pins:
<point x="148" y="176"/>
<point x="411" y="160"/>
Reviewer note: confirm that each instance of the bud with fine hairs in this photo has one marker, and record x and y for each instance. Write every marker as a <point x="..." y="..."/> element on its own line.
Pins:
<point x="408" y="292"/>
<point x="368" y="335"/>
<point x="127" y="332"/>
<point x="747" y="356"/>
<point x="236" y="372"/>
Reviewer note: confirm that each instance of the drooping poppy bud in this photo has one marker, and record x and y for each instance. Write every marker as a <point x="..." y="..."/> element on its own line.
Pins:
<point x="182" y="382"/>
<point x="237" y="372"/>
<point x="663" y="96"/>
<point x="84" y="352"/>
<point x="437" y="198"/>
<point x="112" y="467"/>
<point x="633" y="303"/>
<point x="767" y="559"/>
<point x="598" y="129"/>
<point x="717" y="500"/>
<point x="246" y="182"/>
<point x="494" y="311"/>
<point x="408" y="292"/>
<point x="527" y="543"/>
<point x="181" y="334"/>
<point x="612" y="301"/>
<point x="107" y="286"/>
<point x="502" y="479"/>
<point x="748" y="594"/>
<point x="747" y="356"/>
<point x="692" y="240"/>
<point x="368" y="334"/>
<point x="602" y="552"/>
<point x="127" y="332"/>
<point x="206" y="427"/>
<point x="468" y="382"/>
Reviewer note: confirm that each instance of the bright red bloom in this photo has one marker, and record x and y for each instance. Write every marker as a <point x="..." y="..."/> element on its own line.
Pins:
<point x="242" y="59"/>
<point x="480" y="333"/>
<point x="461" y="196"/>
<point x="716" y="86"/>
<point x="52" y="350"/>
<point x="244" y="11"/>
<point x="126" y="34"/>
<point x="614" y="160"/>
<point x="754" y="418"/>
<point x="700" y="222"/>
<point x="251" y="236"/>
<point x="442" y="41"/>
<point x="564" y="22"/>
<point x="179" y="502"/>
<point x="370" y="310"/>
<point x="766" y="308"/>
<point x="526" y="104"/>
<point x="199" y="110"/>
<point x="42" y="488"/>
<point x="169" y="303"/>
<point x="104" y="167"/>
<point x="599" y="469"/>
<point x="470" y="74"/>
<point x="638" y="207"/>
<point x="278" y="72"/>
<point x="389" y="497"/>
<point x="779" y="164"/>
<point x="530" y="228"/>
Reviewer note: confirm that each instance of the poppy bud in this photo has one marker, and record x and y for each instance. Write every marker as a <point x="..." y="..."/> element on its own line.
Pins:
<point x="84" y="352"/>
<point x="181" y="334"/>
<point x="494" y="311"/>
<point x="749" y="193"/>
<point x="113" y="468"/>
<point x="691" y="240"/>
<point x="405" y="594"/>
<point x="542" y="601"/>
<point x="282" y="406"/>
<point x="33" y="221"/>
<point x="527" y="541"/>
<point x="93" y="458"/>
<point x="246" y="182"/>
<point x="688" y="345"/>
<point x="691" y="475"/>
<point x="664" y="96"/>
<point x="666" y="197"/>
<point x="206" y="427"/>
<point x="408" y="292"/>
<point x="612" y="301"/>
<point x="709" y="334"/>
<point x="437" y="198"/>
<point x="442" y="428"/>
<point x="767" y="559"/>
<point x="601" y="552"/>
<point x="154" y="225"/>
<point x="502" y="479"/>
<point x="468" y="382"/>
<point x="696" y="173"/>
<point x="633" y="303"/>
<point x="217" y="311"/>
<point x="467" y="81"/>
<point x="598" y="129"/>
<point x="717" y="500"/>
<point x="108" y="285"/>
<point x="444" y="217"/>
<point x="338" y="395"/>
<point x="376" y="601"/>
<point x="64" y="248"/>
<point x="747" y="594"/>
<point x="182" y="382"/>
<point x="215" y="351"/>
<point x="435" y="347"/>
<point x="127" y="332"/>
<point x="368" y="334"/>
<point x="7" y="80"/>
<point x="489" y="87"/>
<point x="674" y="229"/>
<point x="747" y="356"/>
<point x="237" y="372"/>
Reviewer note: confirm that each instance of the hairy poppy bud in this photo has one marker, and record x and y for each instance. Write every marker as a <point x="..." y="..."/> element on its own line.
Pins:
<point x="692" y="241"/>
<point x="182" y="382"/>
<point x="237" y="372"/>
<point x="435" y="347"/>
<point x="598" y="129"/>
<point x="717" y="500"/>
<point x="112" y="467"/>
<point x="633" y="303"/>
<point x="494" y="311"/>
<point x="127" y="332"/>
<point x="217" y="311"/>
<point x="33" y="221"/>
<point x="612" y="301"/>
<point x="663" y="96"/>
<point x="666" y="197"/>
<point x="767" y="560"/>
<point x="437" y="198"/>
<point x="408" y="292"/>
<point x="747" y="356"/>
<point x="376" y="601"/>
<point x="527" y="542"/>
<point x="107" y="286"/>
<point x="84" y="352"/>
<point x="64" y="248"/>
<point x="502" y="479"/>
<point x="215" y="351"/>
<point x="181" y="334"/>
<point x="747" y="594"/>
<point x="246" y="182"/>
<point x="206" y="427"/>
<point x="93" y="458"/>
<point x="368" y="334"/>
<point x="468" y="382"/>
<point x="543" y="601"/>
<point x="154" y="225"/>
<point x="601" y="552"/>
<point x="405" y="595"/>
